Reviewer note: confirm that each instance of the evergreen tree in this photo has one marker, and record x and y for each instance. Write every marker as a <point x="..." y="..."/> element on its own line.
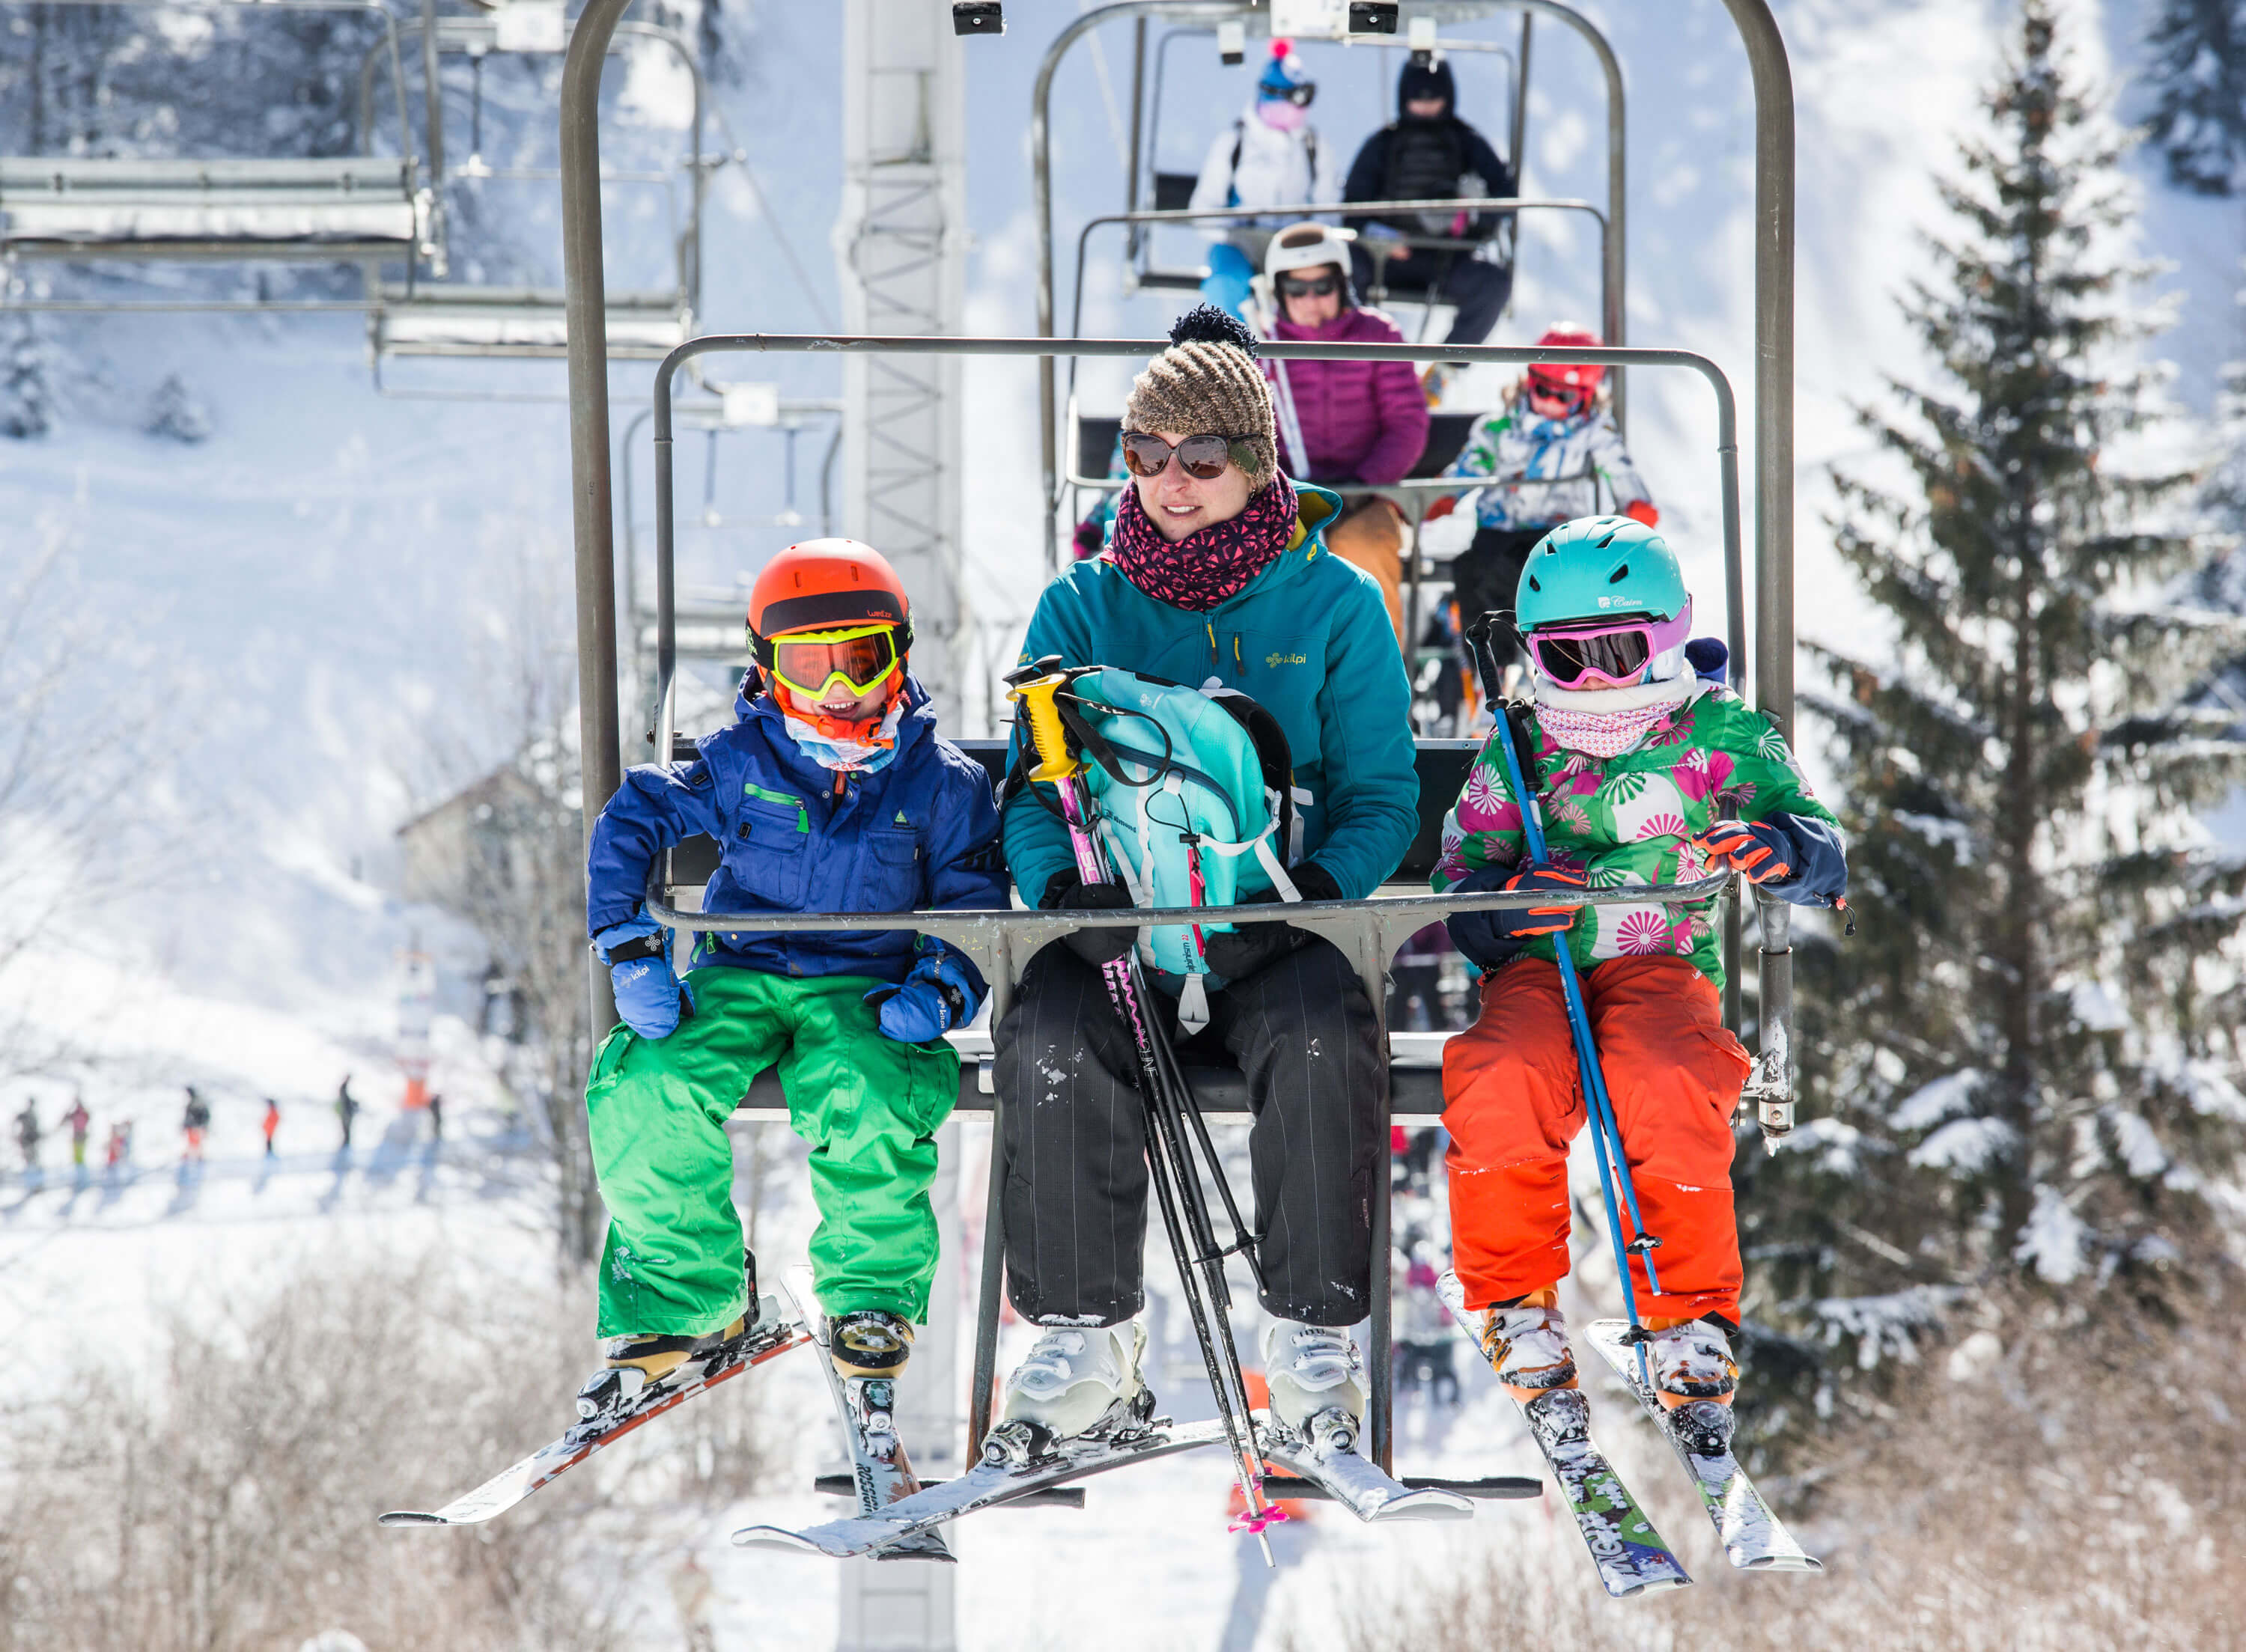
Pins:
<point x="2025" y="1068"/>
<point x="2197" y="72"/>
<point x="26" y="408"/>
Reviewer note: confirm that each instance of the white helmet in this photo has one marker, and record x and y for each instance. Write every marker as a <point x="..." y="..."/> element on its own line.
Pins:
<point x="1307" y="245"/>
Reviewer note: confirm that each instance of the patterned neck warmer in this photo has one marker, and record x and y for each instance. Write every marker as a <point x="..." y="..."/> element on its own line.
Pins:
<point x="848" y="757"/>
<point x="1606" y="722"/>
<point x="1203" y="568"/>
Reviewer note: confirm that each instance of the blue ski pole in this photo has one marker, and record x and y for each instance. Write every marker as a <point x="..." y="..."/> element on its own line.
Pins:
<point x="1606" y="1135"/>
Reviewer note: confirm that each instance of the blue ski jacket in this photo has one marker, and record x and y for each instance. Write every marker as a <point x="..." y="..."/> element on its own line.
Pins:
<point x="1308" y="640"/>
<point x="795" y="837"/>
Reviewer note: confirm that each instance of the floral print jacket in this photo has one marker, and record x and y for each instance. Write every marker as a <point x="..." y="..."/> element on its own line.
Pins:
<point x="1627" y="820"/>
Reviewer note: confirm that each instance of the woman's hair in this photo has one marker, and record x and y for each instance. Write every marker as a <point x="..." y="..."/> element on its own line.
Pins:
<point x="1207" y="383"/>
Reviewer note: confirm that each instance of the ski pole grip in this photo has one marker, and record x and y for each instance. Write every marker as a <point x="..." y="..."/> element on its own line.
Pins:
<point x="1048" y="733"/>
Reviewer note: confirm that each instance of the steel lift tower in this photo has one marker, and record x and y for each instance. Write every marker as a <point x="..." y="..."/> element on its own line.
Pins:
<point x="900" y="247"/>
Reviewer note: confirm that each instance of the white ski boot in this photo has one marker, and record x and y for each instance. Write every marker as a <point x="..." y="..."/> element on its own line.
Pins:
<point x="1527" y="1346"/>
<point x="1693" y="1361"/>
<point x="1316" y="1380"/>
<point x="1078" y="1383"/>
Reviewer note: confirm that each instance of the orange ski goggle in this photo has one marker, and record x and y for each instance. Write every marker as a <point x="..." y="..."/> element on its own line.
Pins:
<point x="861" y="655"/>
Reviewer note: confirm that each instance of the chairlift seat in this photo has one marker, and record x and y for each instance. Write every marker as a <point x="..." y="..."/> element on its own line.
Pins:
<point x="527" y="323"/>
<point x="339" y="207"/>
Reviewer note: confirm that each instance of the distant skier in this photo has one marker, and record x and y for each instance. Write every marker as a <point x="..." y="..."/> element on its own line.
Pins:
<point x="1636" y="759"/>
<point x="79" y="1121"/>
<point x="118" y="1155"/>
<point x="27" y="1135"/>
<point x="194" y="1122"/>
<point x="271" y="1125"/>
<point x="1270" y="157"/>
<point x="832" y="793"/>
<point x="436" y="1117"/>
<point x="346" y="1109"/>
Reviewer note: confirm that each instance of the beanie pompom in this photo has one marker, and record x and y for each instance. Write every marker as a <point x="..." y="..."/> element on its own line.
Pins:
<point x="1207" y="324"/>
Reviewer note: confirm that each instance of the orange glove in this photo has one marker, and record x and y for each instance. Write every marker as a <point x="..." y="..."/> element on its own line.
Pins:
<point x="1442" y="508"/>
<point x="1756" y="850"/>
<point x="1642" y="510"/>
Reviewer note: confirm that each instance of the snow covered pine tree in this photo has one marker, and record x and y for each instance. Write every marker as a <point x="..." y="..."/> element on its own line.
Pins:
<point x="2197" y="72"/>
<point x="2026" y="1067"/>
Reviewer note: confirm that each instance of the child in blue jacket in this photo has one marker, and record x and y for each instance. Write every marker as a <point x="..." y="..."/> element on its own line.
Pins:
<point x="832" y="793"/>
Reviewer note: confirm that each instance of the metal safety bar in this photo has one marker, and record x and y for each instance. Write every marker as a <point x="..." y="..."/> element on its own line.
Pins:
<point x="1368" y="933"/>
<point x="1256" y="18"/>
<point x="1609" y="296"/>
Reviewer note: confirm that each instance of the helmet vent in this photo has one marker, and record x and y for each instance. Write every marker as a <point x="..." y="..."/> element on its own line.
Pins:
<point x="1619" y="574"/>
<point x="1609" y="538"/>
<point x="1532" y="585"/>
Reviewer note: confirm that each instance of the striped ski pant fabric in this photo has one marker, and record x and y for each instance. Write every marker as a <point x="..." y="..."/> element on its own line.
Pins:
<point x="1302" y="1032"/>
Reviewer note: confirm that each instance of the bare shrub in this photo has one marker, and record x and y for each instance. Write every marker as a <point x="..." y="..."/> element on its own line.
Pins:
<point x="228" y="1499"/>
<point x="2058" y="1484"/>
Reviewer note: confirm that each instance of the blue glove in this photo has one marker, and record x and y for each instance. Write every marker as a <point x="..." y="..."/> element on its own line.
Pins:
<point x="936" y="997"/>
<point x="650" y="1000"/>
<point x="1493" y="937"/>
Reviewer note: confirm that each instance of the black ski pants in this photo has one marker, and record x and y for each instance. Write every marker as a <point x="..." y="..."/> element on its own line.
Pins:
<point x="1487" y="574"/>
<point x="1479" y="289"/>
<point x="1075" y="1137"/>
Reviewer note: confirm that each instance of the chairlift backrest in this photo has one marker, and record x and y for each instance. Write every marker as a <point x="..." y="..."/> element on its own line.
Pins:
<point x="327" y="207"/>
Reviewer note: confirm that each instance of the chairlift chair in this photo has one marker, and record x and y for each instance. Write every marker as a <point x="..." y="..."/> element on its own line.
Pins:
<point x="365" y="208"/>
<point x="461" y="319"/>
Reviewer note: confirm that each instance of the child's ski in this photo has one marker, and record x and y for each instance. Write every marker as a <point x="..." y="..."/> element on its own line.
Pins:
<point x="771" y="1334"/>
<point x="1003" y="1476"/>
<point x="1631" y="1557"/>
<point x="1328" y="1461"/>
<point x="1701" y="1432"/>
<point x="879" y="1467"/>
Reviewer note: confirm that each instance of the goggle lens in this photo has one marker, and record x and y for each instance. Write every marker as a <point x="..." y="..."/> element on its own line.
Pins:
<point x="1203" y="457"/>
<point x="1299" y="96"/>
<point x="1324" y="287"/>
<point x="808" y="664"/>
<point x="1568" y="658"/>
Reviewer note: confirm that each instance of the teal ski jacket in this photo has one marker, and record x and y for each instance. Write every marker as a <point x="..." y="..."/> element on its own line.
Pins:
<point x="1308" y="639"/>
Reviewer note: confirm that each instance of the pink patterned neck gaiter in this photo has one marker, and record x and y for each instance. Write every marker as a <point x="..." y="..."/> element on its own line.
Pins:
<point x="1204" y="569"/>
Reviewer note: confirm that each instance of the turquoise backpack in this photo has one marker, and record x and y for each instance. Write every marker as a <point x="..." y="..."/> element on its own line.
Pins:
<point x="1196" y="804"/>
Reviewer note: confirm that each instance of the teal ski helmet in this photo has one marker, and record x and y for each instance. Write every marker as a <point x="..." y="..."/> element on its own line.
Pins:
<point x="1598" y="567"/>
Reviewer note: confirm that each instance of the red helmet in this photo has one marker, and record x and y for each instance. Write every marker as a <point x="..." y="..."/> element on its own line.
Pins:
<point x="1575" y="380"/>
<point x="823" y="586"/>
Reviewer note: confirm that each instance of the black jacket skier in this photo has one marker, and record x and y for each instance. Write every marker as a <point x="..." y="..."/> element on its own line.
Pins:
<point x="1428" y="153"/>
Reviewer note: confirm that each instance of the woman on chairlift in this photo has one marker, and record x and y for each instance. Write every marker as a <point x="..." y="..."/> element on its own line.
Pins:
<point x="1347" y="426"/>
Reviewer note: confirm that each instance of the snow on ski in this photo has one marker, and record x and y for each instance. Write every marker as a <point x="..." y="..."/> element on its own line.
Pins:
<point x="991" y="1483"/>
<point x="1631" y="1556"/>
<point x="1701" y="1433"/>
<point x="866" y="1406"/>
<point x="773" y="1335"/>
<point x="1357" y="1483"/>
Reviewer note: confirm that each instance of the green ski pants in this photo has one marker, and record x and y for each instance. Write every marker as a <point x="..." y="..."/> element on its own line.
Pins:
<point x="867" y="1104"/>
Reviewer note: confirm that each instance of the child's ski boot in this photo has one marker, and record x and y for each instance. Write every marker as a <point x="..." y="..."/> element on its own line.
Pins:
<point x="1526" y="1345"/>
<point x="868" y="1342"/>
<point x="1691" y="1361"/>
<point x="638" y="1363"/>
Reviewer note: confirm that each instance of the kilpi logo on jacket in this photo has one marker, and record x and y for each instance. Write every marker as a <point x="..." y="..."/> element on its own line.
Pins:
<point x="1286" y="659"/>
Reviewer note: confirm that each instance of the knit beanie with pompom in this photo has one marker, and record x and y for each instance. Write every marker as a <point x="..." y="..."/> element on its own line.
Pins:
<point x="1208" y="384"/>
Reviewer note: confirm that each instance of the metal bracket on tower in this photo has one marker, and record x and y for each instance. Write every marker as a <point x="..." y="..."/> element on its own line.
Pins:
<point x="977" y="16"/>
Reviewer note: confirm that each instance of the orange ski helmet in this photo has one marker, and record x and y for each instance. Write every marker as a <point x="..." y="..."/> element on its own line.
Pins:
<point x="832" y="590"/>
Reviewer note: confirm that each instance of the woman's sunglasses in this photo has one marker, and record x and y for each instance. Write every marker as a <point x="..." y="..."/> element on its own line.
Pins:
<point x="1324" y="287"/>
<point x="1298" y="96"/>
<point x="1203" y="457"/>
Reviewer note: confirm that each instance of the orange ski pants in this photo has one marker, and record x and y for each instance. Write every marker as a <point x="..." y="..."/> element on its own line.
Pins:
<point x="1513" y="1102"/>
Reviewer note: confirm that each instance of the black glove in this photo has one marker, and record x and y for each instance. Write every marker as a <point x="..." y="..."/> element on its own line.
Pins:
<point x="1237" y="953"/>
<point x="1067" y="891"/>
<point x="1493" y="937"/>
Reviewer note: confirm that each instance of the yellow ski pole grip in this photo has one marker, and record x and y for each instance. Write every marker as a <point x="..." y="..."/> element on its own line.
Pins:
<point x="1048" y="733"/>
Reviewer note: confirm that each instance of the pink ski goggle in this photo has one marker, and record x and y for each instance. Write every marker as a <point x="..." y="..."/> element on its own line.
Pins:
<point x="1617" y="650"/>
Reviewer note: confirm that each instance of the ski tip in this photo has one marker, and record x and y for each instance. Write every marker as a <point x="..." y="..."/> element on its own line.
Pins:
<point x="411" y="1517"/>
<point x="1782" y="1563"/>
<point x="775" y="1537"/>
<point x="1428" y="1505"/>
<point x="1627" y="1588"/>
